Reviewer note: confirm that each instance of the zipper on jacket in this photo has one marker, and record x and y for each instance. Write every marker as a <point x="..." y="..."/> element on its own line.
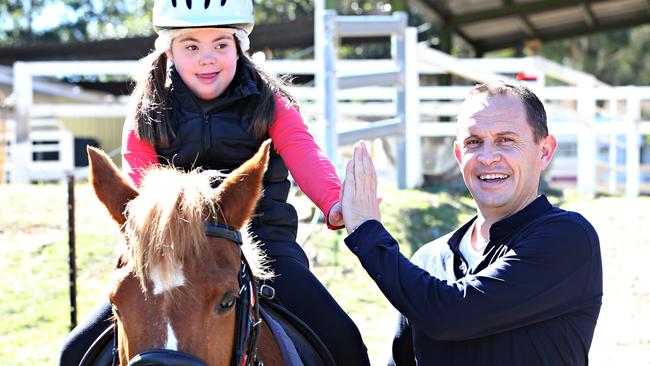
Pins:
<point x="207" y="133"/>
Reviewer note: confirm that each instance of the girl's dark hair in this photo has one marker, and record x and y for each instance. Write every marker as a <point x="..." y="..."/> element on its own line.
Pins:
<point x="262" y="113"/>
<point x="151" y="102"/>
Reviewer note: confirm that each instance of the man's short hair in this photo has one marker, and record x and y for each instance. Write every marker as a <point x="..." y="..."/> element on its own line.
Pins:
<point x="534" y="108"/>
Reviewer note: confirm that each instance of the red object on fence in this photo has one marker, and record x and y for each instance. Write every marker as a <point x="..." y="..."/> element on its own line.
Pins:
<point x="526" y="77"/>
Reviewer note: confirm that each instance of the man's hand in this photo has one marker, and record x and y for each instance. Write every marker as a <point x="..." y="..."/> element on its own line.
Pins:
<point x="359" y="202"/>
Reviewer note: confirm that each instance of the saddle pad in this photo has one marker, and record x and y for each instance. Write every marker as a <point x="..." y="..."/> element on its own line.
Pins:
<point x="311" y="349"/>
<point x="288" y="349"/>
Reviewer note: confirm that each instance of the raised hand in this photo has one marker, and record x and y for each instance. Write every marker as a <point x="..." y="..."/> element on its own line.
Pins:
<point x="359" y="202"/>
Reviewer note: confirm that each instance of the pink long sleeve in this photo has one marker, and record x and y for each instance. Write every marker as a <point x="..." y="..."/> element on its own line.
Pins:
<point x="137" y="155"/>
<point x="309" y="167"/>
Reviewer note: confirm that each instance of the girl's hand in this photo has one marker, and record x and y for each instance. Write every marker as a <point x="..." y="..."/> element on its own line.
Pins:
<point x="335" y="216"/>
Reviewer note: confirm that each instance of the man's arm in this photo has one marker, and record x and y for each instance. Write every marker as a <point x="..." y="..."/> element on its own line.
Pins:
<point x="553" y="270"/>
<point x="539" y="279"/>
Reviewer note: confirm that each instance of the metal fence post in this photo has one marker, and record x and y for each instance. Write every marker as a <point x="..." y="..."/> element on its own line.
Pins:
<point x="24" y="96"/>
<point x="632" y="148"/>
<point x="612" y="172"/>
<point x="398" y="53"/>
<point x="586" y="174"/>
<point x="71" y="253"/>
<point x="330" y="84"/>
<point x="411" y="85"/>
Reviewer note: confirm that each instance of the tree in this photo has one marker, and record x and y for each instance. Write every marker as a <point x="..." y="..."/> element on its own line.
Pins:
<point x="273" y="11"/>
<point x="29" y="21"/>
<point x="618" y="58"/>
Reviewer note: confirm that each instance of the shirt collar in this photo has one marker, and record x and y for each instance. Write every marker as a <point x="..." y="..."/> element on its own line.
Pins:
<point x="506" y="226"/>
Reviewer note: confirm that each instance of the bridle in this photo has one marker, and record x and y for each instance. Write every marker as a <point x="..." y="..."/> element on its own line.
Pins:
<point x="247" y="322"/>
<point x="248" y="308"/>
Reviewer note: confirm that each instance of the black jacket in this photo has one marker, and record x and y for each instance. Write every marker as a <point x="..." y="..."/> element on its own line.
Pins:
<point x="533" y="300"/>
<point x="219" y="139"/>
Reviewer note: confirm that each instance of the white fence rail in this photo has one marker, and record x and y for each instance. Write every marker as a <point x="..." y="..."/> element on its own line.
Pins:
<point x="604" y="127"/>
<point x="51" y="155"/>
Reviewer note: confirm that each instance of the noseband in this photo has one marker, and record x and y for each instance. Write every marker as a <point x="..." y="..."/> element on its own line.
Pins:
<point x="248" y="319"/>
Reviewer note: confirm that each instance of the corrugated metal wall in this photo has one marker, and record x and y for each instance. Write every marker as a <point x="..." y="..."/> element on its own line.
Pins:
<point x="107" y="131"/>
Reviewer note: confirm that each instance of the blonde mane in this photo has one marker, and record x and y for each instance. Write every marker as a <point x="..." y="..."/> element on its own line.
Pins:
<point x="165" y="223"/>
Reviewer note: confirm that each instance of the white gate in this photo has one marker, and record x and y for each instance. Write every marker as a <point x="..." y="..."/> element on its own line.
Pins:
<point x="402" y="75"/>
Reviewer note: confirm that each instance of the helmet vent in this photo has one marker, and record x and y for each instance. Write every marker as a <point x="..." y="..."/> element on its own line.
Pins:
<point x="172" y="14"/>
<point x="206" y="3"/>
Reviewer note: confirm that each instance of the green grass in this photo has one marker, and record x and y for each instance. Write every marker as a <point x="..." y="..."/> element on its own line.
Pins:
<point x="34" y="291"/>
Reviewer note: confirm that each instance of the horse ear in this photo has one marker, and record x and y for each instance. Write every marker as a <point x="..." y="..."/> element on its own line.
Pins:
<point x="112" y="188"/>
<point x="239" y="192"/>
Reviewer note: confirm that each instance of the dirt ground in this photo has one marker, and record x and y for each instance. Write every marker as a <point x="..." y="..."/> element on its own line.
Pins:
<point x="622" y="335"/>
<point x="623" y="332"/>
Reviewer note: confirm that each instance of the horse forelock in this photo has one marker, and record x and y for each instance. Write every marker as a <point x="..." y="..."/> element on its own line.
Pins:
<point x="165" y="224"/>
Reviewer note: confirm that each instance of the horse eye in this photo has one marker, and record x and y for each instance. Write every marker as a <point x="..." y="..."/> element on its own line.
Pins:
<point x="227" y="302"/>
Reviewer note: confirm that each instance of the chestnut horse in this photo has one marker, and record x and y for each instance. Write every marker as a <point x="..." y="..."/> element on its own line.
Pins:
<point x="182" y="291"/>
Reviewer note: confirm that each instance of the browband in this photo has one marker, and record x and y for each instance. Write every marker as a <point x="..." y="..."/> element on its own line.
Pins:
<point x="219" y="231"/>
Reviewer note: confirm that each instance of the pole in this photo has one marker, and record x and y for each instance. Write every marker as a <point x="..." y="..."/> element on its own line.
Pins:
<point x="3" y="141"/>
<point x="330" y="85"/>
<point x="71" y="253"/>
<point x="24" y="96"/>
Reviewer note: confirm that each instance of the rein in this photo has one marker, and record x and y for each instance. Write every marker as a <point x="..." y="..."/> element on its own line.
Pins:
<point x="248" y="319"/>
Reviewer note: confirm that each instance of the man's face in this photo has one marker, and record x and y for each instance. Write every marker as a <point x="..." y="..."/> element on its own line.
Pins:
<point x="500" y="162"/>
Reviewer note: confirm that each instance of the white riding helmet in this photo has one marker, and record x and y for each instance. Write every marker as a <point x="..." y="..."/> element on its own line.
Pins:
<point x="169" y="14"/>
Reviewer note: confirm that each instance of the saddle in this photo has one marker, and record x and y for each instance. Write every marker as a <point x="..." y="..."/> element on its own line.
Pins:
<point x="311" y="350"/>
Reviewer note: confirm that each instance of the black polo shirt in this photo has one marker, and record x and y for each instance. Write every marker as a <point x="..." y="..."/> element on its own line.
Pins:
<point x="533" y="300"/>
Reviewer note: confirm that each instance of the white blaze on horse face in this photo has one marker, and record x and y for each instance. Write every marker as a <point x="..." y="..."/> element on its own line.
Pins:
<point x="172" y="342"/>
<point x="175" y="278"/>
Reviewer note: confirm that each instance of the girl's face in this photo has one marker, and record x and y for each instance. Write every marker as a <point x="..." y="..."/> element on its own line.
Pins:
<point x="206" y="59"/>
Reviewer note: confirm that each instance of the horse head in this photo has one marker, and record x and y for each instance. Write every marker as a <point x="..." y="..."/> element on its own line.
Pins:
<point x="177" y="290"/>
